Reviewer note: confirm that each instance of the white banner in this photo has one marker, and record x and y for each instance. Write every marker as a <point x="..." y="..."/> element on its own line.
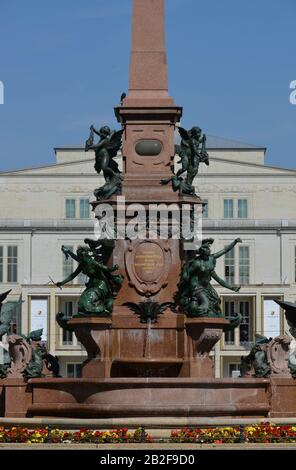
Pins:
<point x="39" y="311"/>
<point x="272" y="321"/>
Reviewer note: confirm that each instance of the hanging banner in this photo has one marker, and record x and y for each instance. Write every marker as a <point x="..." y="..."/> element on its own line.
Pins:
<point x="271" y="321"/>
<point x="39" y="312"/>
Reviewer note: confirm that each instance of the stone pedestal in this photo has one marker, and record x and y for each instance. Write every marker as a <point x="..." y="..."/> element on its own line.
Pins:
<point x="201" y="336"/>
<point x="122" y="346"/>
<point x="94" y="334"/>
<point x="283" y="397"/>
<point x="18" y="398"/>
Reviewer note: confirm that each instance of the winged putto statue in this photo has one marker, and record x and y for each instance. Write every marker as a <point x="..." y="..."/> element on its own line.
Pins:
<point x="192" y="151"/>
<point x="106" y="150"/>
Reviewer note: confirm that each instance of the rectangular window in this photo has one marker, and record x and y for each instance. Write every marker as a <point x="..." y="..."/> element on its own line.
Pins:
<point x="243" y="335"/>
<point x="229" y="261"/>
<point x="244" y="265"/>
<point x="244" y="327"/>
<point x="1" y="263"/>
<point x="68" y="264"/>
<point x="74" y="370"/>
<point x="13" y="318"/>
<point x="67" y="308"/>
<point x="228" y="208"/>
<point x="295" y="264"/>
<point x="12" y="264"/>
<point x="229" y="312"/>
<point x="84" y="209"/>
<point x="272" y="324"/>
<point x="70" y="208"/>
<point x="233" y="370"/>
<point x="205" y="213"/>
<point x="39" y="315"/>
<point x="242" y="208"/>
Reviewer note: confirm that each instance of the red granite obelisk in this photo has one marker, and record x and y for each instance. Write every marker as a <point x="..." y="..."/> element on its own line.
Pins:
<point x="148" y="82"/>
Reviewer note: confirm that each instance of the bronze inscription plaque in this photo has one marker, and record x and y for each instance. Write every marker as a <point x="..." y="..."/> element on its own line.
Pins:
<point x="149" y="261"/>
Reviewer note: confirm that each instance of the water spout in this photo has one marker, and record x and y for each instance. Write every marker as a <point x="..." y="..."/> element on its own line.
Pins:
<point x="147" y="340"/>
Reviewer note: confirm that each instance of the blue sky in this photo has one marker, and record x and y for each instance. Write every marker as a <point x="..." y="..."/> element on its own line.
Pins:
<point x="64" y="64"/>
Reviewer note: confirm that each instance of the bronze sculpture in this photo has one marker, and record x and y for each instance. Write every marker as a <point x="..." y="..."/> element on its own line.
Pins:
<point x="196" y="296"/>
<point x="270" y="357"/>
<point x="192" y="152"/>
<point x="255" y="364"/>
<point x="6" y="312"/>
<point x="290" y="314"/>
<point x="24" y="357"/>
<point x="149" y="310"/>
<point x="35" y="366"/>
<point x="102" y="284"/>
<point x="105" y="150"/>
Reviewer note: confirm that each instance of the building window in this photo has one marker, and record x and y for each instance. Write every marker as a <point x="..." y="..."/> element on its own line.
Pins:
<point x="234" y="369"/>
<point x="68" y="310"/>
<point x="244" y="327"/>
<point x="74" y="370"/>
<point x="229" y="261"/>
<point x="1" y="263"/>
<point x="235" y="208"/>
<point x="229" y="312"/>
<point x="237" y="265"/>
<point x="68" y="264"/>
<point x="67" y="339"/>
<point x="243" y="335"/>
<point x="244" y="265"/>
<point x="242" y="209"/>
<point x="70" y="208"/>
<point x="84" y="208"/>
<point x="228" y="208"/>
<point x="295" y="264"/>
<point x="273" y="324"/>
<point x="15" y="319"/>
<point x="205" y="212"/>
<point x="12" y="264"/>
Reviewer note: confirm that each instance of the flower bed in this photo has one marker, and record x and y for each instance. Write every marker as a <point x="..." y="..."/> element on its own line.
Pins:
<point x="258" y="433"/>
<point x="54" y="436"/>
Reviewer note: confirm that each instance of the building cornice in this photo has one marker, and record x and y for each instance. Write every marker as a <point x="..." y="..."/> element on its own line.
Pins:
<point x="289" y="174"/>
<point x="80" y="225"/>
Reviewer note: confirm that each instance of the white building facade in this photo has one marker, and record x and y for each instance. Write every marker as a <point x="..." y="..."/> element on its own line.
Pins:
<point x="47" y="207"/>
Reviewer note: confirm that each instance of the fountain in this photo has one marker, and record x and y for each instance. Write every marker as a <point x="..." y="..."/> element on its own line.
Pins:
<point x="149" y="316"/>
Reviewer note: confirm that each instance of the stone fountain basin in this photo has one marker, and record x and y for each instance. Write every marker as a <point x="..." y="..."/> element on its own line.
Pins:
<point x="146" y="367"/>
<point x="127" y="397"/>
